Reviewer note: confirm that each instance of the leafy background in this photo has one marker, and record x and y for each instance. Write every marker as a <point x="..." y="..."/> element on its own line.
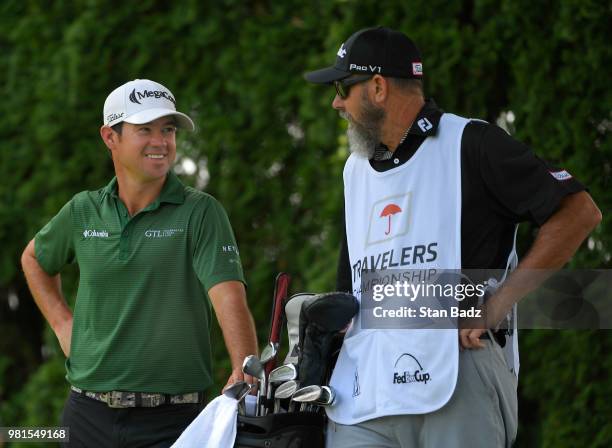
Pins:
<point x="271" y="148"/>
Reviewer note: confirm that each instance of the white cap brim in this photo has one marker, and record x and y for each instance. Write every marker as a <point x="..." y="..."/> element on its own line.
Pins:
<point x="146" y="116"/>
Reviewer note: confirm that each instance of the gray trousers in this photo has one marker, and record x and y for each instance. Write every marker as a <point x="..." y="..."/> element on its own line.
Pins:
<point x="483" y="412"/>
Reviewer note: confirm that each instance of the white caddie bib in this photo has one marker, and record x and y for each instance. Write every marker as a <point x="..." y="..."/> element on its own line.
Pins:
<point x="409" y="218"/>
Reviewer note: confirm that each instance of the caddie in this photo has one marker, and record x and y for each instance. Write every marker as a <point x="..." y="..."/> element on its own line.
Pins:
<point x="425" y="189"/>
<point x="153" y="256"/>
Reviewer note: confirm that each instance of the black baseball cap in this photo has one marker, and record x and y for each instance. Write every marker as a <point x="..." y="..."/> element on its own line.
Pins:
<point x="373" y="51"/>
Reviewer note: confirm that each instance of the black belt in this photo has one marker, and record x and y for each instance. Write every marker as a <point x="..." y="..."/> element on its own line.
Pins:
<point x="498" y="336"/>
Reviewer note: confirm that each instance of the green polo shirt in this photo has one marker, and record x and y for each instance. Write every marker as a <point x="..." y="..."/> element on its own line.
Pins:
<point x="142" y="314"/>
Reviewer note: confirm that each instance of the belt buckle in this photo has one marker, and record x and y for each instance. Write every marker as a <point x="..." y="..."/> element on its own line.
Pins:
<point x="116" y="399"/>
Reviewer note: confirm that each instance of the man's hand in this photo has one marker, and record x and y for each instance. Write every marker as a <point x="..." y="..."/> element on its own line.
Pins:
<point x="470" y="330"/>
<point x="238" y="375"/>
<point x="556" y="242"/>
<point x="470" y="338"/>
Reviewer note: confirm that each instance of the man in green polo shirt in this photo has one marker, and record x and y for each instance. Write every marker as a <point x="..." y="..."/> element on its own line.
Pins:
<point x="153" y="255"/>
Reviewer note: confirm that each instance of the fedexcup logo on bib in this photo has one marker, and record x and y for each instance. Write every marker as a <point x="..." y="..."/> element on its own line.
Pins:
<point x="408" y="369"/>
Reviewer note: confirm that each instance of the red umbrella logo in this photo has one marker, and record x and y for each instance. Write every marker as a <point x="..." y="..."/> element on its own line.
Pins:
<point x="389" y="211"/>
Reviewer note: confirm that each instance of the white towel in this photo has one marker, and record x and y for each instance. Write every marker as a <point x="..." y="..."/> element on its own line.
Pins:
<point x="215" y="427"/>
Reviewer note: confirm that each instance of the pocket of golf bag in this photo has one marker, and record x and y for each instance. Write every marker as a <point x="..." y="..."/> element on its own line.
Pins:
<point x="290" y="430"/>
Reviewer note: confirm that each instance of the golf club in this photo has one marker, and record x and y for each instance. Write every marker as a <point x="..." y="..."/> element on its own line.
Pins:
<point x="281" y="288"/>
<point x="307" y="395"/>
<point x="284" y="391"/>
<point x="239" y="391"/>
<point x="281" y="374"/>
<point x="252" y="366"/>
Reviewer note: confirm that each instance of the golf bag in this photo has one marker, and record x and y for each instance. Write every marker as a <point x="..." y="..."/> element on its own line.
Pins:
<point x="314" y="324"/>
<point x="288" y="430"/>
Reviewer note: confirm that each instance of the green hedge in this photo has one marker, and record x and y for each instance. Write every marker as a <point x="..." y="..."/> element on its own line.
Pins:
<point x="274" y="148"/>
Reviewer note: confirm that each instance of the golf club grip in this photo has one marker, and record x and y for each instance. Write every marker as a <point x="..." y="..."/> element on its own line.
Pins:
<point x="281" y="288"/>
<point x="280" y="294"/>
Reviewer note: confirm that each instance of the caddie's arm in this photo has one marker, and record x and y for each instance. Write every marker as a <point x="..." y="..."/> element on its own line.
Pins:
<point x="556" y="242"/>
<point x="47" y="293"/>
<point x="229" y="302"/>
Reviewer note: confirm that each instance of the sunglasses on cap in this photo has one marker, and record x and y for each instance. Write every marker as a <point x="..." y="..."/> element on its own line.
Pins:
<point x="343" y="86"/>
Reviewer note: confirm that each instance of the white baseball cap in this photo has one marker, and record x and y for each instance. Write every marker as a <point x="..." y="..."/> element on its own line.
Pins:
<point x="142" y="101"/>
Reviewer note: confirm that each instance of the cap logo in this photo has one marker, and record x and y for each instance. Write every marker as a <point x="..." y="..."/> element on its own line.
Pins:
<point x="113" y="117"/>
<point x="417" y="69"/>
<point x="366" y="68"/>
<point x="135" y="96"/>
<point x="561" y="175"/>
<point x="341" y="51"/>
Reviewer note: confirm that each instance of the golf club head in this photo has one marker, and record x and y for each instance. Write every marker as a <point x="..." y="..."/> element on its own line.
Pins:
<point x="286" y="372"/>
<point x="328" y="396"/>
<point x="238" y="390"/>
<point x="283" y="373"/>
<point x="269" y="352"/>
<point x="286" y="390"/>
<point x="308" y="394"/>
<point x="252" y="366"/>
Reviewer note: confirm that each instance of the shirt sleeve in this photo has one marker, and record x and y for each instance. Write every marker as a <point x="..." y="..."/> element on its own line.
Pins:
<point x="54" y="244"/>
<point x="216" y="257"/>
<point x="523" y="187"/>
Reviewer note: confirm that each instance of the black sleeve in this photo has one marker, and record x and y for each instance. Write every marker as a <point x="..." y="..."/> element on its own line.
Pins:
<point x="522" y="186"/>
<point x="343" y="276"/>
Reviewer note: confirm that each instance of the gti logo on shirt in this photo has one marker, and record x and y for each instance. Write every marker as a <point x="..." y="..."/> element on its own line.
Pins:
<point x="389" y="218"/>
<point x="408" y="369"/>
<point x="164" y="233"/>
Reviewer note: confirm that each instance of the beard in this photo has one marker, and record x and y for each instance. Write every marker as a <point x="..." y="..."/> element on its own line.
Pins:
<point x="365" y="135"/>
